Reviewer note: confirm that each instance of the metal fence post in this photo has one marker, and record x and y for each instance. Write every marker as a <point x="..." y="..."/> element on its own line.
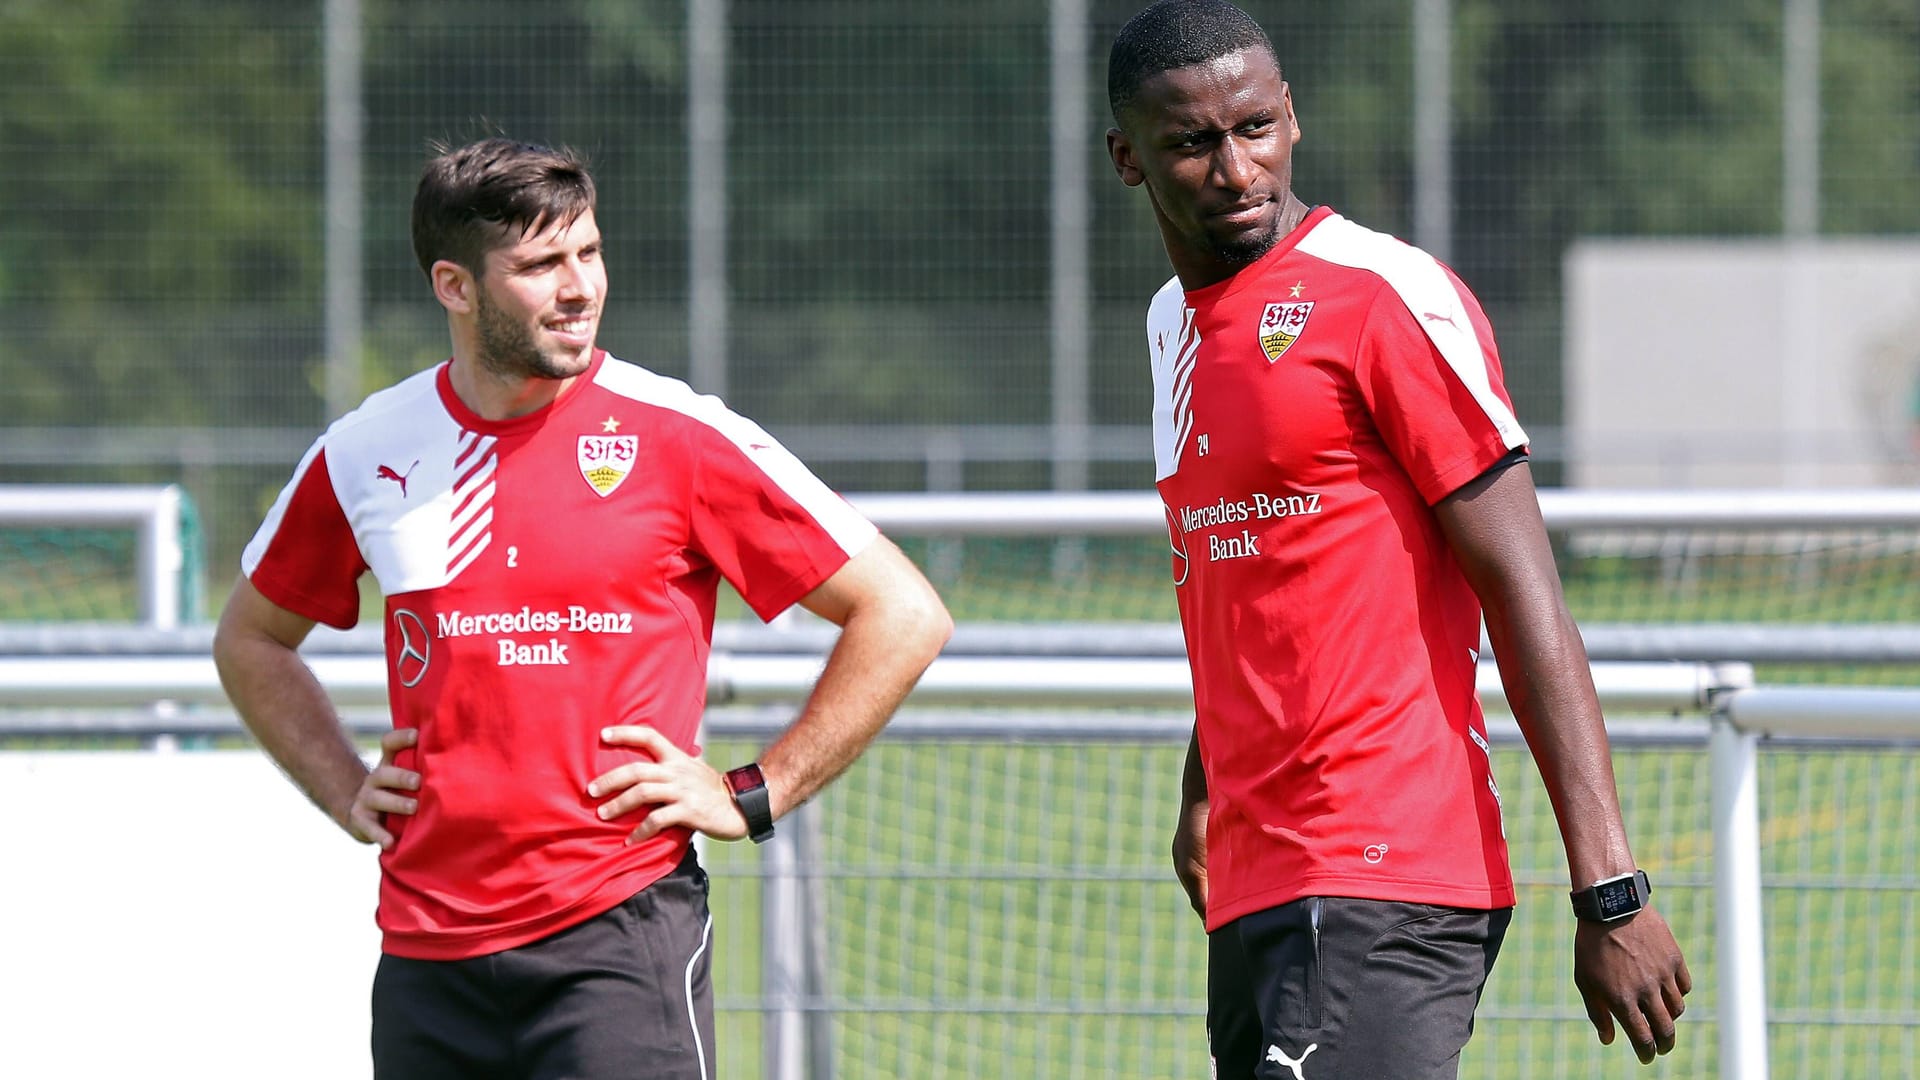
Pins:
<point x="783" y="947"/>
<point x="1736" y="879"/>
<point x="707" y="121"/>
<point x="345" y="204"/>
<point x="946" y="457"/>
<point x="819" y="966"/>
<point x="1800" y="230"/>
<point x="1433" y="127"/>
<point x="1070" y="286"/>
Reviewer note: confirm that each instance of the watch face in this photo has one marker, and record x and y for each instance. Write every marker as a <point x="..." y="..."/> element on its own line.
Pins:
<point x="1617" y="898"/>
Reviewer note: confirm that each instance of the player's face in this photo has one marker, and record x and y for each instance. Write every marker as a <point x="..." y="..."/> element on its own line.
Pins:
<point x="537" y="309"/>
<point x="1213" y="144"/>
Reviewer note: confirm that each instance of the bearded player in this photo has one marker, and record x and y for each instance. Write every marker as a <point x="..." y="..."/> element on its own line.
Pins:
<point x="548" y="526"/>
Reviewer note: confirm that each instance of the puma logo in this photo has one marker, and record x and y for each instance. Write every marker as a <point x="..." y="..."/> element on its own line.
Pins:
<point x="385" y="472"/>
<point x="1298" y="1065"/>
<point x="1434" y="316"/>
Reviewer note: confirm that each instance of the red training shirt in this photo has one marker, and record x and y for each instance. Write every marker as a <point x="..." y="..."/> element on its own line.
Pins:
<point x="545" y="576"/>
<point x="1308" y="412"/>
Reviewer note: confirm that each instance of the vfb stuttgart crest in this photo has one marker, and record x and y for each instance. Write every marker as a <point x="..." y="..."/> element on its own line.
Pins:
<point x="605" y="460"/>
<point x="1280" y="326"/>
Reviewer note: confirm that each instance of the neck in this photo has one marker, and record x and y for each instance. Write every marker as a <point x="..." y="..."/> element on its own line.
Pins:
<point x="496" y="397"/>
<point x="1198" y="269"/>
<point x="1291" y="215"/>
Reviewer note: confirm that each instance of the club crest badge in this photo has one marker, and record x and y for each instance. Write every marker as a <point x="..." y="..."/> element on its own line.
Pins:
<point x="605" y="460"/>
<point x="1281" y="325"/>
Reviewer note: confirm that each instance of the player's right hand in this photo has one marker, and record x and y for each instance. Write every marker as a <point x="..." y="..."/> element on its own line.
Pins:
<point x="1190" y="853"/>
<point x="380" y="793"/>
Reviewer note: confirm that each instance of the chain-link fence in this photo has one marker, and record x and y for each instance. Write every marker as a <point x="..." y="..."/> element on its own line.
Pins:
<point x="997" y="909"/>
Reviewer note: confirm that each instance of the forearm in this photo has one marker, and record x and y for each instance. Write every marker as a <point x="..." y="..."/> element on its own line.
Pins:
<point x="881" y="653"/>
<point x="1494" y="527"/>
<point x="1549" y="686"/>
<point x="286" y="709"/>
<point x="1190" y="829"/>
<point x="1193" y="777"/>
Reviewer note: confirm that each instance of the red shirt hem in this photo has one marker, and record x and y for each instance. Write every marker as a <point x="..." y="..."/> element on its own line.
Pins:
<point x="1405" y="892"/>
<point x="467" y="943"/>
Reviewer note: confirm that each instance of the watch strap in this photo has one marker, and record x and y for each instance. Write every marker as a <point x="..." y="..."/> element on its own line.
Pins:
<point x="749" y="789"/>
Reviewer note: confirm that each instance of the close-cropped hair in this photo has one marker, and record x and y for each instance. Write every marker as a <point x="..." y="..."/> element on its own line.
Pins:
<point x="1173" y="34"/>
<point x="484" y="194"/>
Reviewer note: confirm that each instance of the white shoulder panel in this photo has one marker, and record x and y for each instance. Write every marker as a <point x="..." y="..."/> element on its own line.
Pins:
<point x="392" y="464"/>
<point x="1424" y="287"/>
<point x="842" y="522"/>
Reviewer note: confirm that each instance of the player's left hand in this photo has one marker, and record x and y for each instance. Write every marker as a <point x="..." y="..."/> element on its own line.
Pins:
<point x="1633" y="970"/>
<point x="681" y="789"/>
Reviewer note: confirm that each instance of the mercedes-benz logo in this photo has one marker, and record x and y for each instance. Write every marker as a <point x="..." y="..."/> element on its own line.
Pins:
<point x="1177" y="540"/>
<point x="410" y="660"/>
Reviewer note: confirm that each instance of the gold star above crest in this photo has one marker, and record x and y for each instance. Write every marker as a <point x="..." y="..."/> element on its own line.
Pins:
<point x="610" y="425"/>
<point x="1295" y="289"/>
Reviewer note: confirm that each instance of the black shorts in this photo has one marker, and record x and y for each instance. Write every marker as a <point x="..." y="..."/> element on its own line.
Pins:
<point x="624" y="994"/>
<point x="1329" y="988"/>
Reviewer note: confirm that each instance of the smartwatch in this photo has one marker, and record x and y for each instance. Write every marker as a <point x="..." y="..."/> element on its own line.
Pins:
<point x="1614" y="898"/>
<point x="750" y="794"/>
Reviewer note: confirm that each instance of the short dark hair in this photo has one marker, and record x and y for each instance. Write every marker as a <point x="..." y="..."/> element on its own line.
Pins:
<point x="1174" y="34"/>
<point x="471" y="197"/>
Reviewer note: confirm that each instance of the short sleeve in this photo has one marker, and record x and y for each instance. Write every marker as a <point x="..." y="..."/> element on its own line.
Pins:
<point x="771" y="527"/>
<point x="305" y="557"/>
<point x="1430" y="376"/>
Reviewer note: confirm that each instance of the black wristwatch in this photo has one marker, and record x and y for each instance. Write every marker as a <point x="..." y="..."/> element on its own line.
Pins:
<point x="1614" y="898"/>
<point x="750" y="794"/>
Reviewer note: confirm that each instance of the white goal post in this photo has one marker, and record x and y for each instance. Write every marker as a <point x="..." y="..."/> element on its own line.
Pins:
<point x="154" y="513"/>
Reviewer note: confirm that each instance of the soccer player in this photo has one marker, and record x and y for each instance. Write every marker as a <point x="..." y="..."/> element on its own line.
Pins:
<point x="549" y="526"/>
<point x="1346" y="490"/>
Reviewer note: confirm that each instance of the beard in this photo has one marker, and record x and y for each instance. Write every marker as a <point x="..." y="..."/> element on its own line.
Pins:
<point x="1244" y="249"/>
<point x="508" y="350"/>
<point x="1193" y="235"/>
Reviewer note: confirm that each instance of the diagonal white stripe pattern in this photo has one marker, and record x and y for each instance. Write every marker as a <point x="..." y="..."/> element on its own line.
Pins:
<point x="1172" y="347"/>
<point x="472" y="524"/>
<point x="1189" y="351"/>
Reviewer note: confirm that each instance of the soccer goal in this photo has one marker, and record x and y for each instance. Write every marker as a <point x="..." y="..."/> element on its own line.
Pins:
<point x="101" y="553"/>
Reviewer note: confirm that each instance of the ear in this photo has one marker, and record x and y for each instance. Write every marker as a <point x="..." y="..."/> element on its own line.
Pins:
<point x="454" y="286"/>
<point x="1120" y="149"/>
<point x="1286" y="102"/>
